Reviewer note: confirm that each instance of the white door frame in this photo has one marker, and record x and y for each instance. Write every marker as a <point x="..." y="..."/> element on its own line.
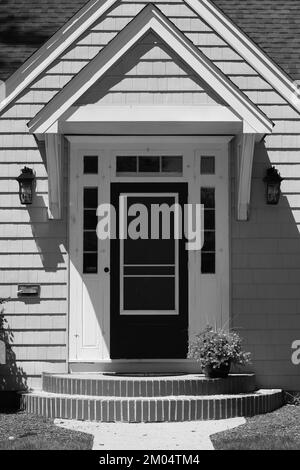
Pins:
<point x="89" y="329"/>
<point x="121" y="266"/>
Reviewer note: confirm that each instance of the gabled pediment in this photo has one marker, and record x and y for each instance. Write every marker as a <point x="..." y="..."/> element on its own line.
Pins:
<point x="150" y="19"/>
<point x="150" y="73"/>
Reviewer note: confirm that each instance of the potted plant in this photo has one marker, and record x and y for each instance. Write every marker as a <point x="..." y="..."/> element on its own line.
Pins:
<point x="216" y="350"/>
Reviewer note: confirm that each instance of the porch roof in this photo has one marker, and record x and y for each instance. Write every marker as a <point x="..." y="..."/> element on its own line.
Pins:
<point x="151" y="19"/>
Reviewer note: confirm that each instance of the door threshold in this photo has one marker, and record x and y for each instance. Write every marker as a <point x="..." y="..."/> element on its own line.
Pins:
<point x="133" y="366"/>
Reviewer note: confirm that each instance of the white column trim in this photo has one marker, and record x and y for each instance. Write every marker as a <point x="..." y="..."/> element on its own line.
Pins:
<point x="245" y="144"/>
<point x="54" y="149"/>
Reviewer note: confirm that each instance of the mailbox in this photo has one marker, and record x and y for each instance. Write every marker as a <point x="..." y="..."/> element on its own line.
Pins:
<point x="28" y="290"/>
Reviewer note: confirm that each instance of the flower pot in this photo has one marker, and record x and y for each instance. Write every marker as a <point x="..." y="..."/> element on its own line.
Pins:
<point x="220" y="372"/>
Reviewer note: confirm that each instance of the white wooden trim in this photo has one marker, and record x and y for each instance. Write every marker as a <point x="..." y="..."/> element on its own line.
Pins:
<point x="217" y="284"/>
<point x="150" y="18"/>
<point x="215" y="287"/>
<point x="155" y="120"/>
<point x="246" y="48"/>
<point x="54" y="151"/>
<point x="94" y="113"/>
<point x="176" y="265"/>
<point x="245" y="144"/>
<point x="83" y="140"/>
<point x="87" y="290"/>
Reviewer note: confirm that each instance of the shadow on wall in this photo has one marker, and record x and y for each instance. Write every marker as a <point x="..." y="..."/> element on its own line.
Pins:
<point x="12" y="377"/>
<point x="49" y="235"/>
<point x="46" y="233"/>
<point x="266" y="275"/>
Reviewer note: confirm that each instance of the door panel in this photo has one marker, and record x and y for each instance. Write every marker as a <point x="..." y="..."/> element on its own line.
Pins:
<point x="149" y="282"/>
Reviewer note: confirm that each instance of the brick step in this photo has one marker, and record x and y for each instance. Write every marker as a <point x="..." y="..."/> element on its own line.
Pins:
<point x="148" y="386"/>
<point x="159" y="409"/>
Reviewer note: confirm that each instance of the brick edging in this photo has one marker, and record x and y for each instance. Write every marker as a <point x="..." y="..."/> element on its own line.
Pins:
<point x="169" y="409"/>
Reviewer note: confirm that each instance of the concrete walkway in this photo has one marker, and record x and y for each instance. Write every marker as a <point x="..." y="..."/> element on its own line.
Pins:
<point x="155" y="436"/>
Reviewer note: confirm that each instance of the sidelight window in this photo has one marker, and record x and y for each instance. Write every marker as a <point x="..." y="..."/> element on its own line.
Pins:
<point x="208" y="252"/>
<point x="90" y="240"/>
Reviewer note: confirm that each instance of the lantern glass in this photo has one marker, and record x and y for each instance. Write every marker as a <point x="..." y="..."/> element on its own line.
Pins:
<point x="273" y="193"/>
<point x="273" y="182"/>
<point x="25" y="192"/>
<point x="26" y="182"/>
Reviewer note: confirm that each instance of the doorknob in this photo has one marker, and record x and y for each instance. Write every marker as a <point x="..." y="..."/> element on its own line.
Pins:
<point x="106" y="270"/>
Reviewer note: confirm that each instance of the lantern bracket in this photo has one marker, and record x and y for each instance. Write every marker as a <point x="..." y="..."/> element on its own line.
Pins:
<point x="26" y="181"/>
<point x="273" y="181"/>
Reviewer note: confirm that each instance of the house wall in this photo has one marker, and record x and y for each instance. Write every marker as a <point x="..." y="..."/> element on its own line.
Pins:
<point x="33" y="249"/>
<point x="265" y="250"/>
<point x="266" y="266"/>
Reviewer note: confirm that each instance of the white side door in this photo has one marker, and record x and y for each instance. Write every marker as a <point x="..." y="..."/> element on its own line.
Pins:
<point x="209" y="268"/>
<point x="89" y="283"/>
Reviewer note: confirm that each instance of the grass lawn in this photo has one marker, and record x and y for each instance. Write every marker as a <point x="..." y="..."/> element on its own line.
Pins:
<point x="31" y="432"/>
<point x="279" y="430"/>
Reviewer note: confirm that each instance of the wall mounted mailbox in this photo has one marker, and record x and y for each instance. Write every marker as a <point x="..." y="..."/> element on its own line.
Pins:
<point x="28" y="290"/>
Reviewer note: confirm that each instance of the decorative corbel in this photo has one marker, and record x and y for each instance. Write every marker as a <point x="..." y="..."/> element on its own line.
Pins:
<point x="54" y="150"/>
<point x="245" y="144"/>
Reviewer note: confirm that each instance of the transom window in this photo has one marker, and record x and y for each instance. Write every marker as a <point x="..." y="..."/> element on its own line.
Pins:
<point x="138" y="165"/>
<point x="207" y="165"/>
<point x="90" y="241"/>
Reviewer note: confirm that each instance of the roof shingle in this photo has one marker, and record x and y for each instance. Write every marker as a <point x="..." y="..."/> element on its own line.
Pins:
<point x="273" y="24"/>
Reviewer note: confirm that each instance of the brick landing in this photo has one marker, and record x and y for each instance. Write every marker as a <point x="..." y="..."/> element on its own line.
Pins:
<point x="146" y="386"/>
<point x="97" y="397"/>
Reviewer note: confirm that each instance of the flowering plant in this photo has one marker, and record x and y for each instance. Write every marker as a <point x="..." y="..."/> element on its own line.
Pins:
<point x="217" y="347"/>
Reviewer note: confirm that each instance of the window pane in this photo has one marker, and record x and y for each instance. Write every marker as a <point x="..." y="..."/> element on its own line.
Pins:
<point x="208" y="197"/>
<point x="208" y="261"/>
<point x="90" y="198"/>
<point x="149" y="293"/>
<point x="209" y="219"/>
<point x="207" y="165"/>
<point x="90" y="165"/>
<point x="149" y="164"/>
<point x="149" y="251"/>
<point x="90" y="220"/>
<point x="90" y="262"/>
<point x="171" y="164"/>
<point x="90" y="241"/>
<point x="126" y="164"/>
<point x="209" y="241"/>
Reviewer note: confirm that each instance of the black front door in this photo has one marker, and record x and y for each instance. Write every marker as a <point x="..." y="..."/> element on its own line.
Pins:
<point x="149" y="277"/>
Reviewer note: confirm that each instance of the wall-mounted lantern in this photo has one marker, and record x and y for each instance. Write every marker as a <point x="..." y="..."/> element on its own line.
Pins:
<point x="26" y="182"/>
<point x="273" y="182"/>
